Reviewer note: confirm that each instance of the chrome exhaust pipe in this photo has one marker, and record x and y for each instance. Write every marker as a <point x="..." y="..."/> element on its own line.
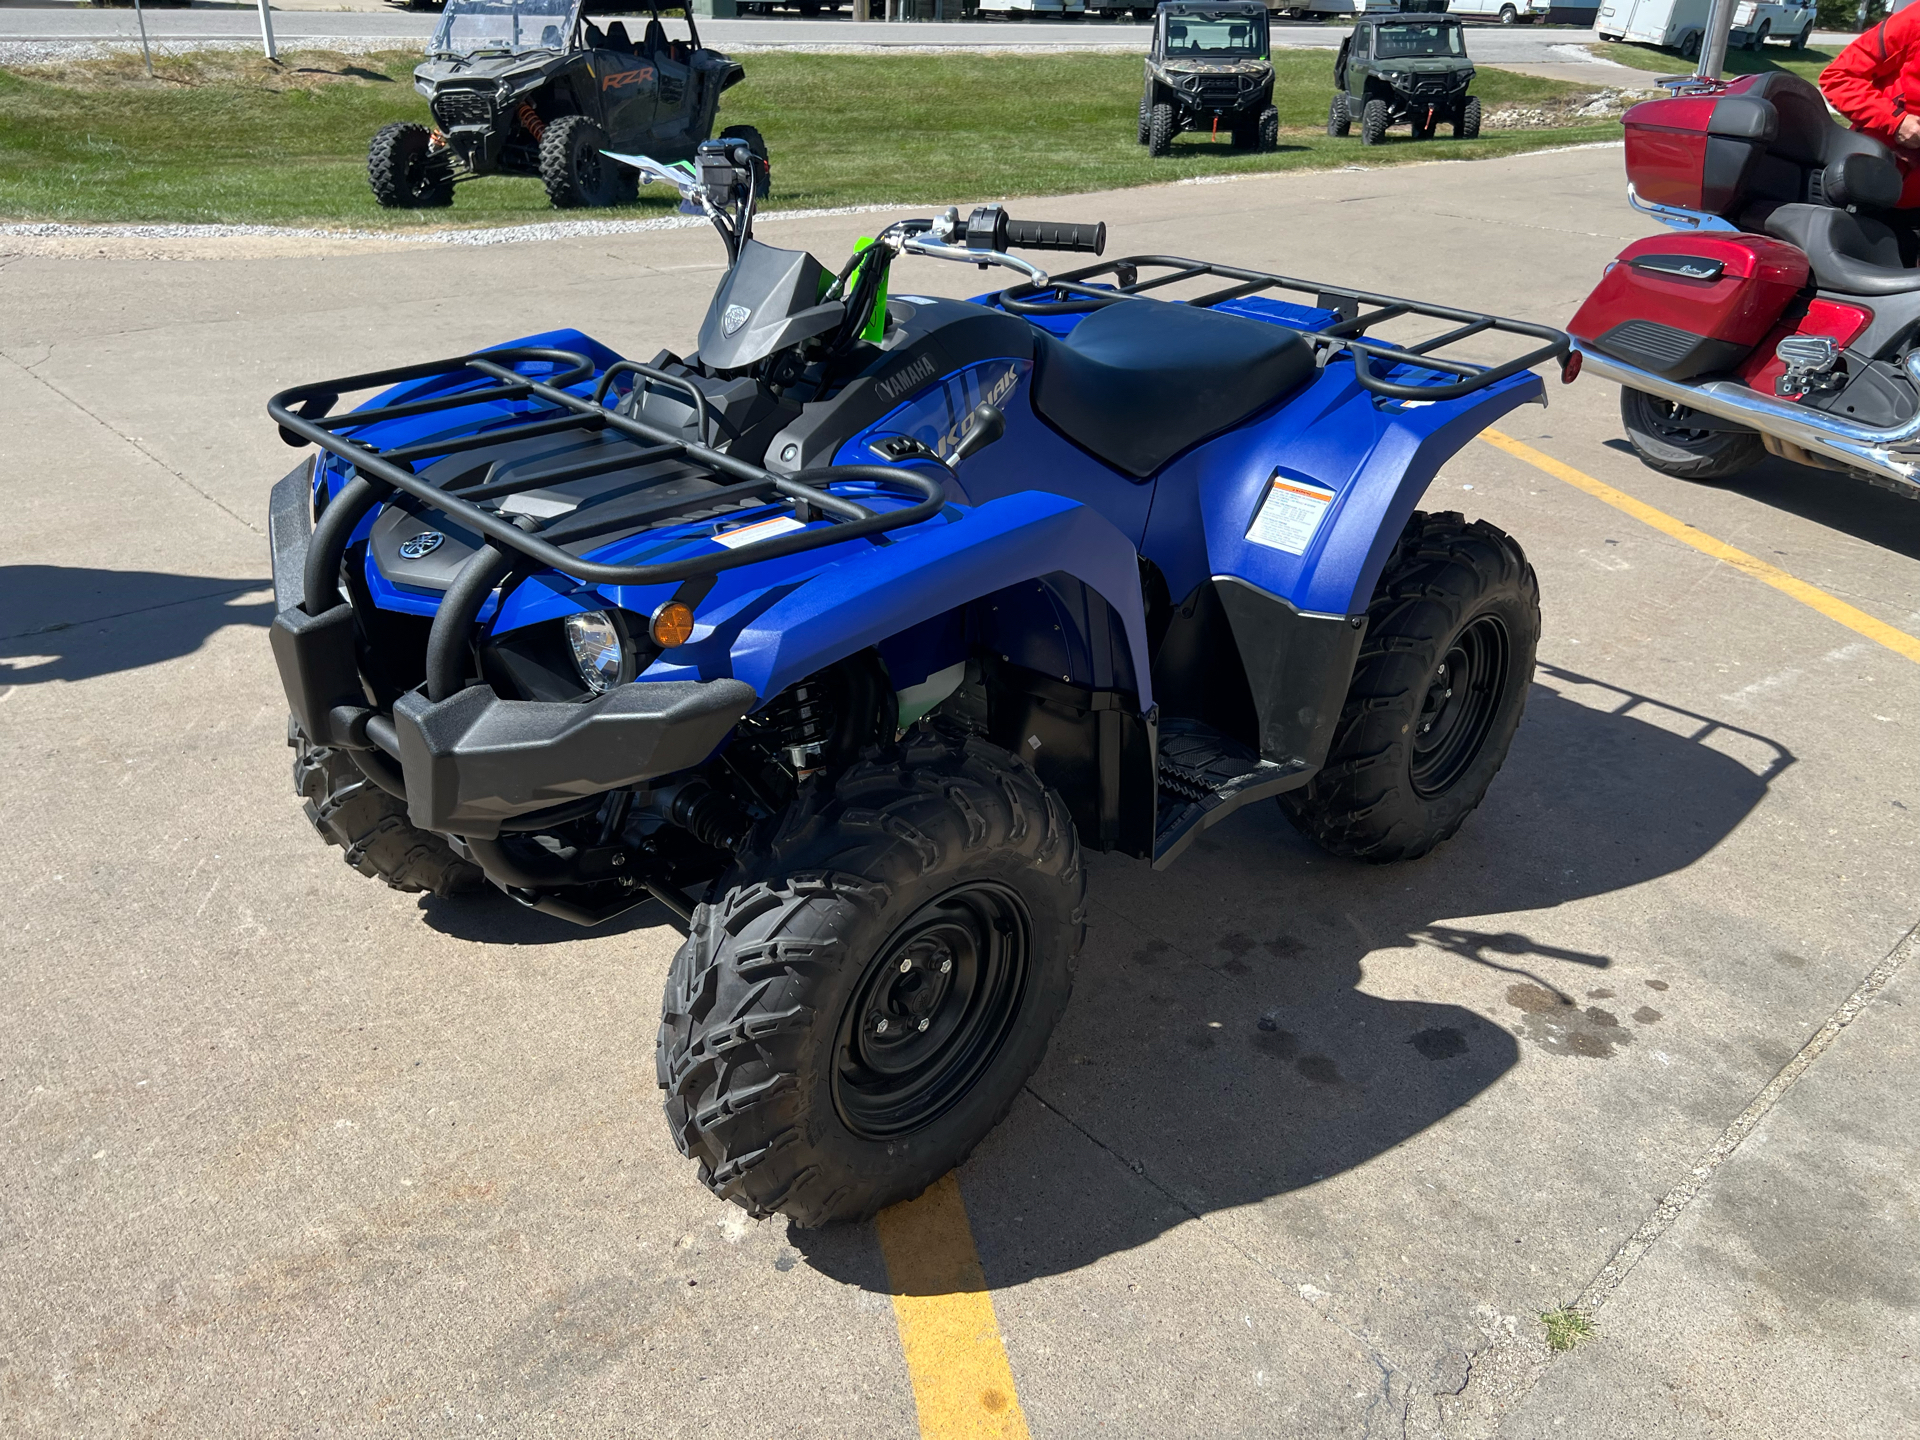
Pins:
<point x="1890" y="458"/>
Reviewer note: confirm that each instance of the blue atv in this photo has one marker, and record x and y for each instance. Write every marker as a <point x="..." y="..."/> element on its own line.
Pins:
<point x="836" y="642"/>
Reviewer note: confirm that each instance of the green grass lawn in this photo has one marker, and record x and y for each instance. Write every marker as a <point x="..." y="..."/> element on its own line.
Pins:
<point x="1807" y="64"/>
<point x="226" y="137"/>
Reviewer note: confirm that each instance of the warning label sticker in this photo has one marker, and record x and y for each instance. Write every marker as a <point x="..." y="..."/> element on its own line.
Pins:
<point x="764" y="530"/>
<point x="1290" y="514"/>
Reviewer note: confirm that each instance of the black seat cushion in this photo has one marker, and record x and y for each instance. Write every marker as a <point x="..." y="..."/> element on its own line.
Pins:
<point x="1849" y="253"/>
<point x="1137" y="382"/>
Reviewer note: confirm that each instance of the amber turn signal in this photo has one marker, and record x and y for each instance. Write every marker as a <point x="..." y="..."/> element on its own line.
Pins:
<point x="672" y="625"/>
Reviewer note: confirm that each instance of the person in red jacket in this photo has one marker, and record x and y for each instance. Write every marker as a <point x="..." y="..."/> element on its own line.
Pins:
<point x="1875" y="83"/>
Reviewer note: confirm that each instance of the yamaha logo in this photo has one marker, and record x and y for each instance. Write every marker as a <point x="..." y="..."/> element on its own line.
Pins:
<point x="425" y="543"/>
<point x="736" y="316"/>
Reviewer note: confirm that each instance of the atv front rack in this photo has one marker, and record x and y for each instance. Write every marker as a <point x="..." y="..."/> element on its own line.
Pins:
<point x="1077" y="292"/>
<point x="495" y="376"/>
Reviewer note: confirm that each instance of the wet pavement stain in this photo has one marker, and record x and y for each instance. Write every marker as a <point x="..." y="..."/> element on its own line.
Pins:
<point x="1236" y="967"/>
<point x="1790" y="960"/>
<point x="1656" y="984"/>
<point x="1319" y="1069"/>
<point x="1150" y="952"/>
<point x="1281" y="1044"/>
<point x="1554" y="1023"/>
<point x="1599" y="994"/>
<point x="1440" y="1042"/>
<point x="1645" y="1015"/>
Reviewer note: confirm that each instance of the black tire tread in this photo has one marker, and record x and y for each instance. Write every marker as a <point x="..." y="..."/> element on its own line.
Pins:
<point x="1160" y="129"/>
<point x="388" y="161"/>
<point x="1722" y="456"/>
<point x="1435" y="579"/>
<point x="1373" y="122"/>
<point x="371" y="826"/>
<point x="737" y="1054"/>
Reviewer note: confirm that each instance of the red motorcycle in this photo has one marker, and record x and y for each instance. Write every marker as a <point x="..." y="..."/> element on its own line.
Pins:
<point x="1783" y="319"/>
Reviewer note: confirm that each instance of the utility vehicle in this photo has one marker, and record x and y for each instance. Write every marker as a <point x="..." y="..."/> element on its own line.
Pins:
<point x="1209" y="67"/>
<point x="535" y="87"/>
<point x="1404" y="69"/>
<point x="840" y="638"/>
<point x="1782" y="320"/>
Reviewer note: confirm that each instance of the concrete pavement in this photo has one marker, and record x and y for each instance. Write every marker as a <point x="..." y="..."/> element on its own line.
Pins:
<point x="283" y="1151"/>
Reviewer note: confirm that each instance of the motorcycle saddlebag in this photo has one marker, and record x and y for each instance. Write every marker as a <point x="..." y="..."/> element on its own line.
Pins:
<point x="1698" y="152"/>
<point x="1686" y="305"/>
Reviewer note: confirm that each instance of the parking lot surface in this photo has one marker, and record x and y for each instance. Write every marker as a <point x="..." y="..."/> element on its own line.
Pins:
<point x="282" y="1151"/>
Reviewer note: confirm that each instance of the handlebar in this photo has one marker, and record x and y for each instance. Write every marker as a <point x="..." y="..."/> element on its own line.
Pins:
<point x="1057" y="235"/>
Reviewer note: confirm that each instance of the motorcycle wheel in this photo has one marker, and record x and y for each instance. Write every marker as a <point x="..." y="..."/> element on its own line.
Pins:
<point x="1663" y="440"/>
<point x="1373" y="122"/>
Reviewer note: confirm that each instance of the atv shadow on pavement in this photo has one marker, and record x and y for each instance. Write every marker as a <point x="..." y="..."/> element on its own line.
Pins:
<point x="57" y="619"/>
<point x="1219" y="1049"/>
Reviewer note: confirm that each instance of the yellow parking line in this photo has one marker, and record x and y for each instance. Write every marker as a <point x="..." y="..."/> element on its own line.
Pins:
<point x="962" y="1384"/>
<point x="1830" y="606"/>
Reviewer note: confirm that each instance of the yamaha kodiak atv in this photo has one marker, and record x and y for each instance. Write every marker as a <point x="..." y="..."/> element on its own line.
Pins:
<point x="837" y="640"/>
<point x="1404" y="69"/>
<point x="1209" y="66"/>
<point x="534" y="87"/>
<point x="1782" y="319"/>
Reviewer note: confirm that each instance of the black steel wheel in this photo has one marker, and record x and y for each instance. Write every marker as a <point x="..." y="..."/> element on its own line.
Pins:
<point x="1161" y="127"/>
<point x="406" y="171"/>
<point x="863" y="995"/>
<point x="576" y="173"/>
<point x="1339" y="114"/>
<point x="1373" y="122"/>
<point x="1668" y="437"/>
<point x="932" y="1011"/>
<point x="1436" y="696"/>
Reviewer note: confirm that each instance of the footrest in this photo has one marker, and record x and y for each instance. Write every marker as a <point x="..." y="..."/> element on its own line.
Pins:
<point x="1204" y="777"/>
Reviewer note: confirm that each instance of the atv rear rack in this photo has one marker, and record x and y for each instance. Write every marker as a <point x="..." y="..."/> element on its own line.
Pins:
<point x="1124" y="282"/>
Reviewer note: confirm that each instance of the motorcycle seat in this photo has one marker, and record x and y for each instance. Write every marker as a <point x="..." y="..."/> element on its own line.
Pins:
<point x="1851" y="254"/>
<point x="1137" y="382"/>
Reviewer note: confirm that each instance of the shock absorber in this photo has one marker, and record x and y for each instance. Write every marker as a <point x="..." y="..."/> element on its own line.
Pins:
<point x="530" y="117"/>
<point x="711" y="816"/>
<point x="798" y="724"/>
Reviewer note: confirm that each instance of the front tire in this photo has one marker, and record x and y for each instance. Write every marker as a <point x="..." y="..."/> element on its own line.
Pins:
<point x="1160" y="128"/>
<point x="1339" y="115"/>
<point x="371" y="826"/>
<point x="1509" y="15"/>
<point x="406" y="172"/>
<point x="1663" y="440"/>
<point x="862" y="1001"/>
<point x="1805" y="37"/>
<point x="1467" y="127"/>
<point x="1267" y="137"/>
<point x="575" y="172"/>
<point x="1436" y="695"/>
<point x="757" y="147"/>
<point x="1145" y="119"/>
<point x="1373" y="122"/>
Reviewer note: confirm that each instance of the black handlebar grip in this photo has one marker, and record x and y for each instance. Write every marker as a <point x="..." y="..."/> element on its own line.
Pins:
<point x="1056" y="235"/>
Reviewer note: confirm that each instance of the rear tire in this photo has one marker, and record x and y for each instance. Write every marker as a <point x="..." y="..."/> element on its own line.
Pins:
<point x="1509" y="16"/>
<point x="574" y="171"/>
<point x="1160" y="129"/>
<point x="1467" y="127"/>
<point x="1339" y="115"/>
<point x="1436" y="695"/>
<point x="1663" y="440"/>
<point x="762" y="166"/>
<point x="817" y="1059"/>
<point x="1373" y="122"/>
<point x="406" y="172"/>
<point x="371" y="826"/>
<point x="1761" y="35"/>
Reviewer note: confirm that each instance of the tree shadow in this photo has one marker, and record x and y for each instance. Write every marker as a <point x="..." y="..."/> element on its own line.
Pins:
<point x="56" y="619"/>
<point x="1219" y="1049"/>
<point x="1225" y="149"/>
<point x="1846" y="503"/>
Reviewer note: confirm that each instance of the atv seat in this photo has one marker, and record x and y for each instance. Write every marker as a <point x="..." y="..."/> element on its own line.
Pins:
<point x="653" y="40"/>
<point x="1137" y="382"/>
<point x="1853" y="254"/>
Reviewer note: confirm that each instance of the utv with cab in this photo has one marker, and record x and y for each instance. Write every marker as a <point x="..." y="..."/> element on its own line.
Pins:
<point x="838" y="639"/>
<point x="535" y="87"/>
<point x="1404" y="70"/>
<point x="1209" y="67"/>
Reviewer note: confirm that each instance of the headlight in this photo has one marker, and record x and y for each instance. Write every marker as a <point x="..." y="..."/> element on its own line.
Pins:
<point x="600" y="650"/>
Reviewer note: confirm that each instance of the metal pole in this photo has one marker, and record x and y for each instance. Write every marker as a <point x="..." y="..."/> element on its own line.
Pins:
<point x="862" y="10"/>
<point x="1713" y="45"/>
<point x="141" y="16"/>
<point x="266" y="31"/>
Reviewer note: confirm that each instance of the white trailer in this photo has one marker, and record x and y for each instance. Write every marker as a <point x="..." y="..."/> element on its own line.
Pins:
<point x="1507" y="12"/>
<point x="1672" y="24"/>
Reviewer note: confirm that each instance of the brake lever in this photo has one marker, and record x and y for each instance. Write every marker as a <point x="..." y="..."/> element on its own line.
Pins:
<point x="922" y="245"/>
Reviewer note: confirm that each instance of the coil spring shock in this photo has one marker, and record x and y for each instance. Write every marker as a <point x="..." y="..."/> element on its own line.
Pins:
<point x="530" y="117"/>
<point x="800" y="722"/>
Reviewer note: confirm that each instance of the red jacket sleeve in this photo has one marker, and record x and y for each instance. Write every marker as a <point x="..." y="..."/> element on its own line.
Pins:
<point x="1863" y="82"/>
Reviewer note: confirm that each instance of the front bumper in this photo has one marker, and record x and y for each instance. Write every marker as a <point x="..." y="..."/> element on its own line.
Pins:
<point x="476" y="760"/>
